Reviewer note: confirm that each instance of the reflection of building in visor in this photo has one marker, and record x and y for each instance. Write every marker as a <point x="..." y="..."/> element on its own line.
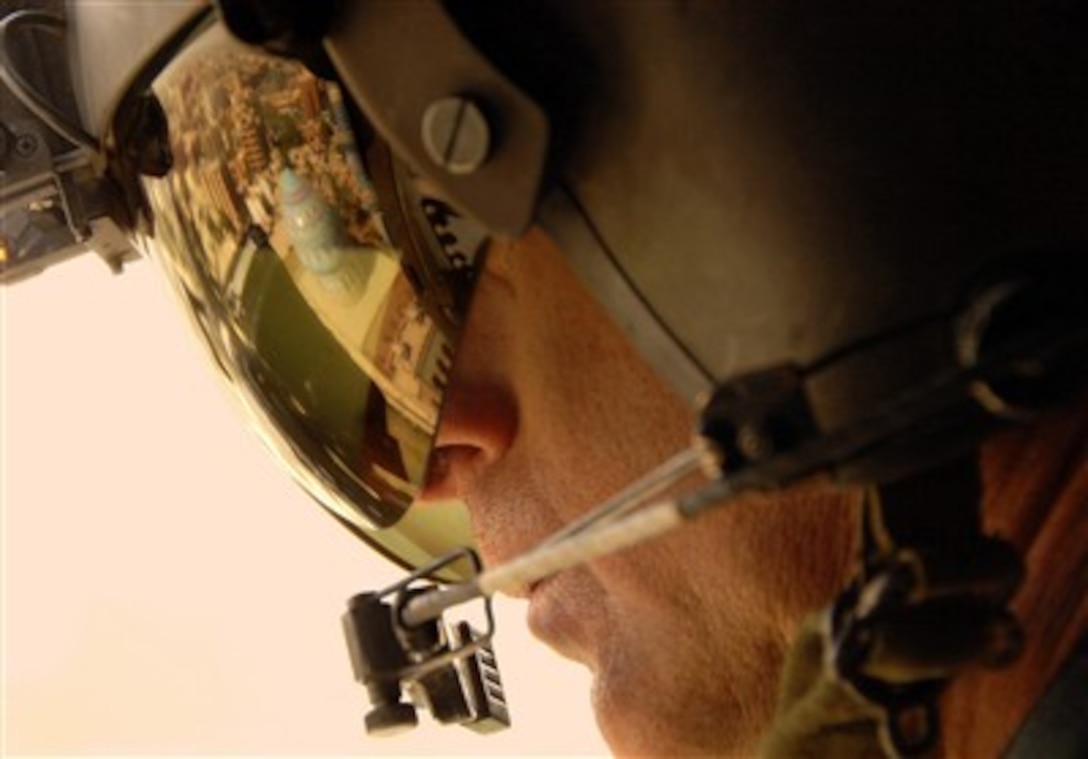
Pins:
<point x="327" y="282"/>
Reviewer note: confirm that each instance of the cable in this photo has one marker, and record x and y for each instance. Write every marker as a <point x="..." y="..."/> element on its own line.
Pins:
<point x="25" y="93"/>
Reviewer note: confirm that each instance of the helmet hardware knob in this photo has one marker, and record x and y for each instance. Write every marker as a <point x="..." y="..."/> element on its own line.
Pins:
<point x="456" y="135"/>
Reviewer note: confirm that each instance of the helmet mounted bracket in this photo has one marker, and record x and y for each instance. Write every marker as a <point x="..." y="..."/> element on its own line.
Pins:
<point x="55" y="201"/>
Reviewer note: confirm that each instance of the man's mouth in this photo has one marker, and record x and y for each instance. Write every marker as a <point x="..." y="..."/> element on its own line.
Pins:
<point x="552" y="619"/>
<point x="541" y="609"/>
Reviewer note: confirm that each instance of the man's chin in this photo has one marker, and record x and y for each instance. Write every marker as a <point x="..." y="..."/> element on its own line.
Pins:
<point x="647" y="706"/>
<point x="631" y="729"/>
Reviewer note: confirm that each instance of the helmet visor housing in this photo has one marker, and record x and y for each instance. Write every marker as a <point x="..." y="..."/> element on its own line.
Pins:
<point x="328" y="281"/>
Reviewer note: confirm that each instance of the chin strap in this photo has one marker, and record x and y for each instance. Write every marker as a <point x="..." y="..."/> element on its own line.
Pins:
<point x="930" y="601"/>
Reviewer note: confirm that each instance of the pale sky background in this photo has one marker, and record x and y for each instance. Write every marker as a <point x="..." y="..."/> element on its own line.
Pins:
<point x="166" y="589"/>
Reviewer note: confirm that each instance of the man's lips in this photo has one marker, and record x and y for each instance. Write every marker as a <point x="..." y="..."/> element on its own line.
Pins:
<point x="541" y="608"/>
<point x="551" y="620"/>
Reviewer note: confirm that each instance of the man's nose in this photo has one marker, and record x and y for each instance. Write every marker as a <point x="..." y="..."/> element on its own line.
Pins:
<point x="477" y="427"/>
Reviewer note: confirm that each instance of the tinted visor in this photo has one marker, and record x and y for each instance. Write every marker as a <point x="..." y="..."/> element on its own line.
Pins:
<point x="328" y="281"/>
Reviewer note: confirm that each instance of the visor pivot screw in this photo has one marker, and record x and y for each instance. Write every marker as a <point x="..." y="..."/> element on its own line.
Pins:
<point x="456" y="135"/>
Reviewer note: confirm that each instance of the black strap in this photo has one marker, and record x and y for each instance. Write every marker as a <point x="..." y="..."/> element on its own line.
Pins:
<point x="938" y="506"/>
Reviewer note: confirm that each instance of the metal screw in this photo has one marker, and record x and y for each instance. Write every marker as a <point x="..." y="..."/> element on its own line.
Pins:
<point x="456" y="135"/>
<point x="26" y="145"/>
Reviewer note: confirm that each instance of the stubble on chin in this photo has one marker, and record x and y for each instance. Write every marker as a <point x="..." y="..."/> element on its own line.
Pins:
<point x="646" y="710"/>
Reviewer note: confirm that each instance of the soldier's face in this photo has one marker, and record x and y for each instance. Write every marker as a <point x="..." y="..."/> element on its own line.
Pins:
<point x="550" y="411"/>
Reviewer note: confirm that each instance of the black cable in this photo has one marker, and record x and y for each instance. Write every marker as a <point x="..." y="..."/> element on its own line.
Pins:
<point x="25" y="93"/>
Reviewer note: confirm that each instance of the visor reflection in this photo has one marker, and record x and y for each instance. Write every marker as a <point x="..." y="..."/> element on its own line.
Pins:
<point x="269" y="226"/>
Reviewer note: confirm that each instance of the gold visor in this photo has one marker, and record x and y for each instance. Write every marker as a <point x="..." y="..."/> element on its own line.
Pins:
<point x="328" y="281"/>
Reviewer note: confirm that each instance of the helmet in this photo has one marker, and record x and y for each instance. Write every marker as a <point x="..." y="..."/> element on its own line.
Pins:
<point x="880" y="197"/>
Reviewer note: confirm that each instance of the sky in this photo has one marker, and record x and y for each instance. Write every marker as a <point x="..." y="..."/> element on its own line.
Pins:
<point x="166" y="589"/>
